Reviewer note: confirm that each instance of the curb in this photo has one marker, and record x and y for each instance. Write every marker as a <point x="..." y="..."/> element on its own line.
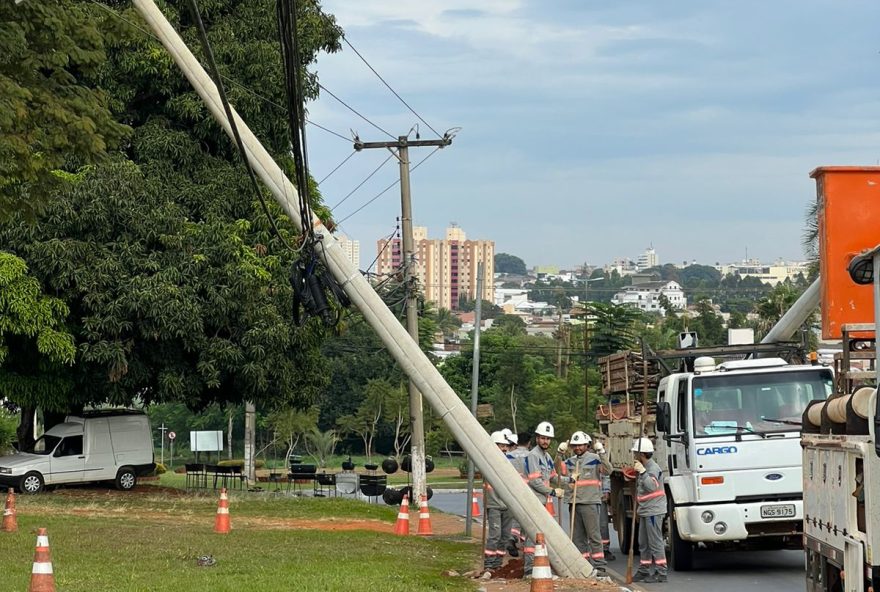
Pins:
<point x="620" y="579"/>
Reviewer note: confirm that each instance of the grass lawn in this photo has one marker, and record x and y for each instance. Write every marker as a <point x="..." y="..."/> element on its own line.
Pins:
<point x="149" y="540"/>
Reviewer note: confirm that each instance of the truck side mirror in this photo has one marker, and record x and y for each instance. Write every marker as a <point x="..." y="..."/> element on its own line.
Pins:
<point x="664" y="413"/>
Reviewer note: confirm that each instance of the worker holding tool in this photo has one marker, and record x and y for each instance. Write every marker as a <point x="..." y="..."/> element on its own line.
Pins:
<point x="584" y="470"/>
<point x="651" y="500"/>
<point x="538" y="471"/>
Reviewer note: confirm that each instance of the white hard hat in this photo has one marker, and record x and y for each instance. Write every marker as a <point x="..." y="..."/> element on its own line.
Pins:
<point x="642" y="445"/>
<point x="579" y="438"/>
<point x="545" y="428"/>
<point x="499" y="438"/>
<point x="511" y="437"/>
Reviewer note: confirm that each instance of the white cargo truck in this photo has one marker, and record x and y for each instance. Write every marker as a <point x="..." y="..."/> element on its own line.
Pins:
<point x="107" y="445"/>
<point x="727" y="437"/>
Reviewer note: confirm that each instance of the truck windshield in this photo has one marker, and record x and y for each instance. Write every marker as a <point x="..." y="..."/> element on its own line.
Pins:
<point x="755" y="403"/>
<point x="44" y="445"/>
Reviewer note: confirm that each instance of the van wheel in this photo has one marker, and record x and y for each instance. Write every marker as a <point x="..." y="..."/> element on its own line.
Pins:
<point x="32" y="483"/>
<point x="126" y="479"/>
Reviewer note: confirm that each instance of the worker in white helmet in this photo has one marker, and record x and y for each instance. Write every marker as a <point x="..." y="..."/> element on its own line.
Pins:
<point x="538" y="471"/>
<point x="583" y="472"/>
<point x="497" y="515"/>
<point x="651" y="509"/>
<point x="516" y="452"/>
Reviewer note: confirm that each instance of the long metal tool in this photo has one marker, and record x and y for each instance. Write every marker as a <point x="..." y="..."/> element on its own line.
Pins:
<point x="574" y="495"/>
<point x="467" y="431"/>
<point x="642" y="421"/>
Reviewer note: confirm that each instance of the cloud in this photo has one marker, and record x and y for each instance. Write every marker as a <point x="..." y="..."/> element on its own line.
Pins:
<point x="592" y="129"/>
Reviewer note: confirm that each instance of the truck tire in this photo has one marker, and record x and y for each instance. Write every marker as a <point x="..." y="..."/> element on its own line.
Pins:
<point x="126" y="479"/>
<point x="32" y="483"/>
<point x="681" y="552"/>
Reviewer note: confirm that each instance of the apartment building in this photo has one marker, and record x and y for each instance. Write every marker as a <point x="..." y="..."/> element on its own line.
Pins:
<point x="446" y="268"/>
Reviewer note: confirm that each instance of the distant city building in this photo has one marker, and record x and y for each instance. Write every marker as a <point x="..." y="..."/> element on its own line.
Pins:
<point x="646" y="296"/>
<point x="773" y="273"/>
<point x="542" y="271"/>
<point x="623" y="266"/>
<point x="647" y="259"/>
<point x="351" y="248"/>
<point x="446" y="268"/>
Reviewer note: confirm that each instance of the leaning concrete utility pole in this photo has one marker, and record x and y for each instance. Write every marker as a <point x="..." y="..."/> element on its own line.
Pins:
<point x="526" y="508"/>
<point x="795" y="316"/>
<point x="416" y="417"/>
<point x="475" y="391"/>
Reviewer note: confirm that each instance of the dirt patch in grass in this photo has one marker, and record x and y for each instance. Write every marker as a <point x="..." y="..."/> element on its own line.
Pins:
<point x="508" y="578"/>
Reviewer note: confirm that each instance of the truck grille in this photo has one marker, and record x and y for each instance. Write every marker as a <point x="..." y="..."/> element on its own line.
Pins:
<point x="768" y="497"/>
<point x="756" y="529"/>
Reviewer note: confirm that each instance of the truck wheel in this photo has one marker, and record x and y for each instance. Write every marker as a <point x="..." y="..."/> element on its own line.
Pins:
<point x="681" y="552"/>
<point x="126" y="479"/>
<point x="32" y="483"/>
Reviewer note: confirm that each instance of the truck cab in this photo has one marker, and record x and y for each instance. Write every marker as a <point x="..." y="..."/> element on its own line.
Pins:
<point x="732" y="456"/>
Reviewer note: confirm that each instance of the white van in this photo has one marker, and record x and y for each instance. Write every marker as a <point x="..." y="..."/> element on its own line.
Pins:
<point x="106" y="445"/>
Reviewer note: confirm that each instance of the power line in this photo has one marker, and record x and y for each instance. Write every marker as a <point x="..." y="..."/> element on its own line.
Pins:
<point x="364" y="60"/>
<point x="385" y="246"/>
<point x="231" y="81"/>
<point x="337" y="167"/>
<point x="353" y="110"/>
<point x="384" y="191"/>
<point x="350" y="193"/>
<point x="209" y="55"/>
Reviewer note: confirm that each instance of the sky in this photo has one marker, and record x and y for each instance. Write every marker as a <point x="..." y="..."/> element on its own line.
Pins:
<point x="590" y="130"/>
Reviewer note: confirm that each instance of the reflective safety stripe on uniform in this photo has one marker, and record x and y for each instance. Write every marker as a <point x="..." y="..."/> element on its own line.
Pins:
<point x="651" y="495"/>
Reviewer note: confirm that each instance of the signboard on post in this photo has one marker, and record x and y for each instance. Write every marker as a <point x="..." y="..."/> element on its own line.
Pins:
<point x="209" y="441"/>
<point x="171" y="435"/>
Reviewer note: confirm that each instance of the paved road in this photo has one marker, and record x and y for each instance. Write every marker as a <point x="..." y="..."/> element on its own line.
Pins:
<point x="730" y="571"/>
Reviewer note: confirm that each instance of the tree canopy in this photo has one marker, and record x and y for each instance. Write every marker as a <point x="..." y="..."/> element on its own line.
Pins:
<point x="505" y="263"/>
<point x="53" y="114"/>
<point x="176" y="288"/>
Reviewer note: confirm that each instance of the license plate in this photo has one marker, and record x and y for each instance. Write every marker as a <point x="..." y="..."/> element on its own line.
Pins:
<point x="778" y="511"/>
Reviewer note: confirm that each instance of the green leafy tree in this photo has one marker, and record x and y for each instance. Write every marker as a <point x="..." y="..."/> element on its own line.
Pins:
<point x="321" y="445"/>
<point x="771" y="308"/>
<point x="366" y="421"/>
<point x="505" y="263"/>
<point x="164" y="308"/>
<point x="290" y="426"/>
<point x="53" y="115"/>
<point x="613" y="328"/>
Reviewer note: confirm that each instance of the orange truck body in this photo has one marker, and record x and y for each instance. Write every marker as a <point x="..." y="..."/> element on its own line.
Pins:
<point x="849" y="223"/>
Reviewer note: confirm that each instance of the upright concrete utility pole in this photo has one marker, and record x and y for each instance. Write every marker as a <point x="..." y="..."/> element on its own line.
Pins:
<point x="475" y="387"/>
<point x="250" y="435"/>
<point x="529" y="512"/>
<point x="416" y="416"/>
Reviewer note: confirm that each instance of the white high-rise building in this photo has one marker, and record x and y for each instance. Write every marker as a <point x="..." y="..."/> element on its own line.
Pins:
<point x="351" y="248"/>
<point x="647" y="259"/>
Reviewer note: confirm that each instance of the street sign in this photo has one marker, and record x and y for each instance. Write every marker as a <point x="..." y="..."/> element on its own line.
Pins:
<point x="171" y="435"/>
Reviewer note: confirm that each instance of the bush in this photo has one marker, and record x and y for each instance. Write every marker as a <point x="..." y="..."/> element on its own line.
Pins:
<point x="8" y="427"/>
<point x="159" y="470"/>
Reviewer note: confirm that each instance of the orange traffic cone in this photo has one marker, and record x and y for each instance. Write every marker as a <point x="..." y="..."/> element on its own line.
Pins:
<point x="542" y="576"/>
<point x="10" y="524"/>
<point x="475" y="507"/>
<point x="550" y="505"/>
<point x="424" y="517"/>
<point x="221" y="522"/>
<point x="402" y="526"/>
<point x="42" y="578"/>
